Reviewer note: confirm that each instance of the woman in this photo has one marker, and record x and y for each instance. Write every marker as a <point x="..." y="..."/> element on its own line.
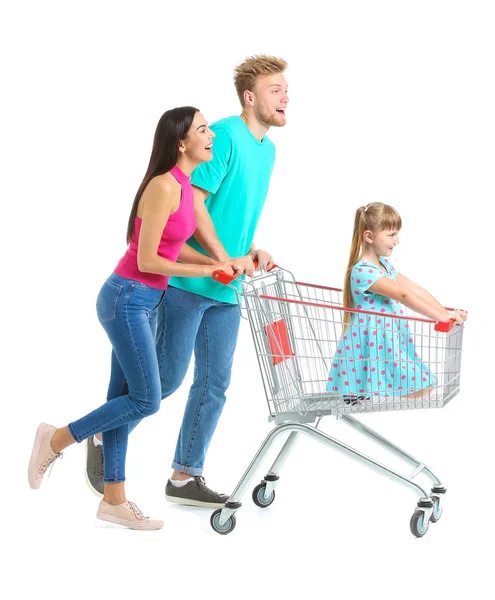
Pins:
<point x="161" y="220"/>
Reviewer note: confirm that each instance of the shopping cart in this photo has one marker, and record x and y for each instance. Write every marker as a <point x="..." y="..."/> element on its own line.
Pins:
<point x="297" y="330"/>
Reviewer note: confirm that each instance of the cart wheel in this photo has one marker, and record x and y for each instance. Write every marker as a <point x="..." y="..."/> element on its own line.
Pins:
<point x="224" y="529"/>
<point x="437" y="510"/>
<point x="418" y="524"/>
<point x="259" y="496"/>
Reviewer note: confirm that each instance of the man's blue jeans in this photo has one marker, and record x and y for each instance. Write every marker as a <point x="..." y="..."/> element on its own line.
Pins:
<point x="186" y="323"/>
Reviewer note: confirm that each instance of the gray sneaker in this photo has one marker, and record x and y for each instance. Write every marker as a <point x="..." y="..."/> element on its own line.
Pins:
<point x="194" y="493"/>
<point x="94" y="467"/>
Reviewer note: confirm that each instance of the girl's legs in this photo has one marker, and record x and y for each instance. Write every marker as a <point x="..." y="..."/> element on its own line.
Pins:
<point x="423" y="394"/>
<point x="419" y="394"/>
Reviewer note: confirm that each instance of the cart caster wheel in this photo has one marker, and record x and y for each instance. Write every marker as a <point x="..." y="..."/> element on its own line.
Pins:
<point x="437" y="510"/>
<point x="224" y="529"/>
<point x="419" y="526"/>
<point x="259" y="496"/>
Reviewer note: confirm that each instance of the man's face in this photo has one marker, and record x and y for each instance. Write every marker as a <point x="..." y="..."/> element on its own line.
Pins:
<point x="270" y="100"/>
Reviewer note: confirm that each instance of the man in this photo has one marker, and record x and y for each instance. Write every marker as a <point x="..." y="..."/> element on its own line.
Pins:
<point x="201" y="315"/>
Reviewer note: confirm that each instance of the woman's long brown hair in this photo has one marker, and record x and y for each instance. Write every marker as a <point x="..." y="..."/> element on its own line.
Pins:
<point x="172" y="128"/>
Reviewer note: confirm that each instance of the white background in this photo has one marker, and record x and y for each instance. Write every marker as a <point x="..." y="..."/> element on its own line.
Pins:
<point x="389" y="101"/>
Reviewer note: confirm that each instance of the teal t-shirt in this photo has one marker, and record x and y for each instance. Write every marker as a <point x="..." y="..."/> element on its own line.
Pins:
<point x="237" y="178"/>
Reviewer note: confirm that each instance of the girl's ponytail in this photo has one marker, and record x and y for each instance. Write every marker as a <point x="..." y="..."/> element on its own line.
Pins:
<point x="355" y="253"/>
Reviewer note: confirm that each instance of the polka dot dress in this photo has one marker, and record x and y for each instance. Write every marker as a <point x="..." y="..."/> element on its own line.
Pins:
<point x="376" y="355"/>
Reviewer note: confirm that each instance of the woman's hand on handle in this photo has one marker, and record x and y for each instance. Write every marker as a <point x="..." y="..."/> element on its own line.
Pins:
<point x="242" y="265"/>
<point x="225" y="266"/>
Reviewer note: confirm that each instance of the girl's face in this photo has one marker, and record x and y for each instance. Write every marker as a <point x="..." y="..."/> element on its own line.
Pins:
<point x="383" y="242"/>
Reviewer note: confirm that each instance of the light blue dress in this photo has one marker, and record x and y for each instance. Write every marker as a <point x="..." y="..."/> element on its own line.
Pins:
<point x="376" y="355"/>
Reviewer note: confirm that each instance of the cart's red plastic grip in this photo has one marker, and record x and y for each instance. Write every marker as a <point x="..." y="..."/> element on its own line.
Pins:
<point x="445" y="326"/>
<point x="222" y="277"/>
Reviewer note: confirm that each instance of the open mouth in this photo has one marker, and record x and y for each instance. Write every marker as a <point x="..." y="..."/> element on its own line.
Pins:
<point x="209" y="147"/>
<point x="281" y="111"/>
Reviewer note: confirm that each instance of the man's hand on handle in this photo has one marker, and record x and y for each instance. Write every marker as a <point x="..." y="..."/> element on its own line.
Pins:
<point x="264" y="257"/>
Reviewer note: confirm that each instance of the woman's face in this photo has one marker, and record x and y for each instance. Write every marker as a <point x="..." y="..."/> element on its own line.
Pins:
<point x="198" y="145"/>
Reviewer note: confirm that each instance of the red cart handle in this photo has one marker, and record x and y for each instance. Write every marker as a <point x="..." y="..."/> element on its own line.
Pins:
<point x="225" y="279"/>
<point x="445" y="326"/>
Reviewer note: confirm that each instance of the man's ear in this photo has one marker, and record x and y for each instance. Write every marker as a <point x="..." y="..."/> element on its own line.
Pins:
<point x="248" y="98"/>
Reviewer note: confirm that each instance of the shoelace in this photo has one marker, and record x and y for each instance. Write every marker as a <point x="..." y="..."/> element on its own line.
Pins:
<point x="202" y="483"/>
<point x="137" y="512"/>
<point x="50" y="460"/>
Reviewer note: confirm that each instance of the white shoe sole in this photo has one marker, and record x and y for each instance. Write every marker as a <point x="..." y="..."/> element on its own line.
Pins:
<point x="129" y="524"/>
<point x="90" y="485"/>
<point x="34" y="483"/>
<point x="187" y="502"/>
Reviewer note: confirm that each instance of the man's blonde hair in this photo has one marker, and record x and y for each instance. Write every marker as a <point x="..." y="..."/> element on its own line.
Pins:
<point x="260" y="65"/>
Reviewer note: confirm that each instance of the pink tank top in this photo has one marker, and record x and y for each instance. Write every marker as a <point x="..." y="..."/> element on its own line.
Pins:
<point x="180" y="226"/>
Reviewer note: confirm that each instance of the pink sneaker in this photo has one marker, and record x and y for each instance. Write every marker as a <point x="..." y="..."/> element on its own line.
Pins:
<point x="127" y="514"/>
<point x="42" y="455"/>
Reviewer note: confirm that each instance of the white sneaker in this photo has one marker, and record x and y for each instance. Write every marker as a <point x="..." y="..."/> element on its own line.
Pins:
<point x="126" y="514"/>
<point x="42" y="455"/>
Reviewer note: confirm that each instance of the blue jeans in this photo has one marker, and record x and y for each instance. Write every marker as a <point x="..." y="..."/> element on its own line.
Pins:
<point x="127" y="310"/>
<point x="188" y="322"/>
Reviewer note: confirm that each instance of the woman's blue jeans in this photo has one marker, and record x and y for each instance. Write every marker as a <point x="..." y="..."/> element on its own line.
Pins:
<point x="127" y="311"/>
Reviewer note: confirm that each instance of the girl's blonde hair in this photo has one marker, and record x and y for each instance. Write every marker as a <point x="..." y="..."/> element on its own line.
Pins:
<point x="261" y="65"/>
<point x="374" y="217"/>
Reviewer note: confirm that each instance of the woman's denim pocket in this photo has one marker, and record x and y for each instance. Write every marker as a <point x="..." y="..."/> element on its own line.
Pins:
<point x="106" y="303"/>
<point x="144" y="296"/>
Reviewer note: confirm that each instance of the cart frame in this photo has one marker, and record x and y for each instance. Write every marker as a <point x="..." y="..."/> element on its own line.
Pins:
<point x="299" y="420"/>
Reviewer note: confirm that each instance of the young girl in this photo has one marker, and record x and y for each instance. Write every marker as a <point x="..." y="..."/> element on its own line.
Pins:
<point x="161" y="220"/>
<point x="376" y="355"/>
